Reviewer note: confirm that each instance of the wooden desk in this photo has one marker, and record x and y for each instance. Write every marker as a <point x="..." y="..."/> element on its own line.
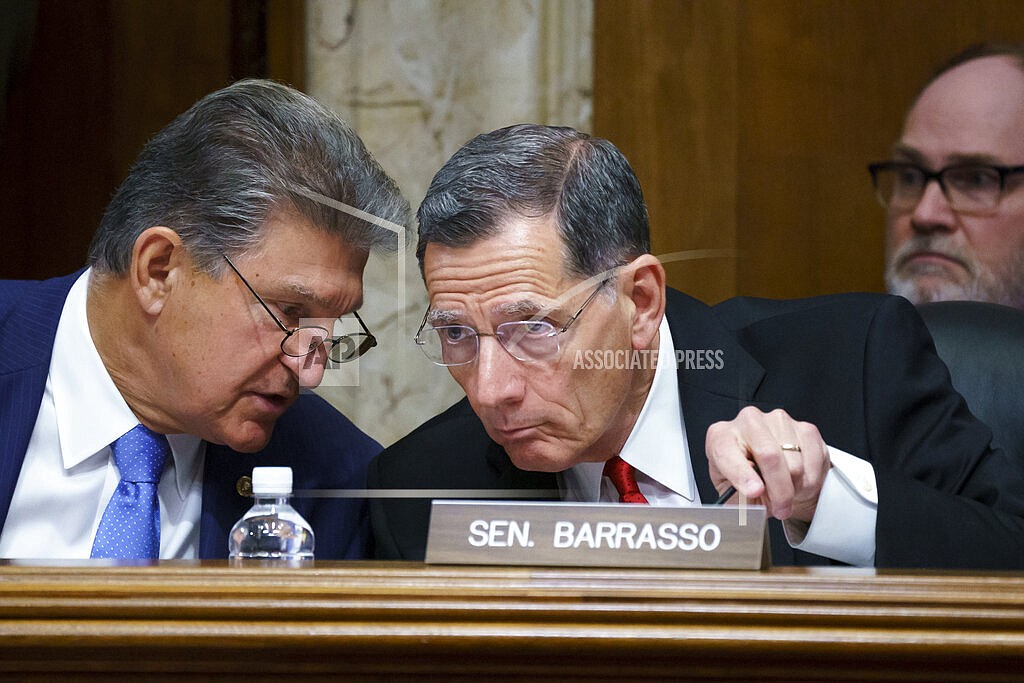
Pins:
<point x="208" y="620"/>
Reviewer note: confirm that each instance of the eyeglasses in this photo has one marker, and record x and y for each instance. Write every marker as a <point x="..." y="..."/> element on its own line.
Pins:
<point x="303" y="340"/>
<point x="525" y="340"/>
<point x="969" y="188"/>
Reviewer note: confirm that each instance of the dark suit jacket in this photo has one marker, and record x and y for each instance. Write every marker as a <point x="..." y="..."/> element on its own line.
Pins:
<point x="323" y="448"/>
<point x="861" y="367"/>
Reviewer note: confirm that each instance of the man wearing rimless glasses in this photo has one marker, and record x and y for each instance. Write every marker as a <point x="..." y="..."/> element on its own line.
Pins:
<point x="954" y="189"/>
<point x="549" y="310"/>
<point x="214" y="287"/>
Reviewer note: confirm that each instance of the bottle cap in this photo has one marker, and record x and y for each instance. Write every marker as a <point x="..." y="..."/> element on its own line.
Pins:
<point x="267" y="481"/>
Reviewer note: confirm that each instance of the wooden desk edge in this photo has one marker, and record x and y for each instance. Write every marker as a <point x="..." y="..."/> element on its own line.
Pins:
<point x="408" y="619"/>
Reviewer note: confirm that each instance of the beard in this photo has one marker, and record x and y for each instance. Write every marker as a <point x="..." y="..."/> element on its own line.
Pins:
<point x="1003" y="284"/>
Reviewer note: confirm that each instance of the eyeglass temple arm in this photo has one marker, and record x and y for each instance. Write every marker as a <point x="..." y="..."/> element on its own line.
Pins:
<point x="423" y="322"/>
<point x="590" y="298"/>
<point x="362" y="324"/>
<point x="258" y="297"/>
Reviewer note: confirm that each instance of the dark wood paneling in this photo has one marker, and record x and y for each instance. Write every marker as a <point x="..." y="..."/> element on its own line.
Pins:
<point x="750" y="123"/>
<point x="665" y="94"/>
<point x="286" y="42"/>
<point x="102" y="77"/>
<point x="55" y="157"/>
<point x="164" y="56"/>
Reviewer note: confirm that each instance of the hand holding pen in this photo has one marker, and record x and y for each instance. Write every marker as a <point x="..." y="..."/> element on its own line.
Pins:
<point x="770" y="458"/>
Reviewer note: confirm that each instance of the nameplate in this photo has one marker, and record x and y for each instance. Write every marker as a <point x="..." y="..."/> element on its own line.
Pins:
<point x="597" y="535"/>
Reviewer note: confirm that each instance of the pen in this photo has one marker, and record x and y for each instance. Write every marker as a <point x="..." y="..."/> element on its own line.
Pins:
<point x="731" y="491"/>
<point x="726" y="495"/>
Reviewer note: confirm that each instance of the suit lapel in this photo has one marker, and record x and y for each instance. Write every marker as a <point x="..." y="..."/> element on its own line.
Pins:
<point x="708" y="394"/>
<point x="26" y="344"/>
<point x="223" y="505"/>
<point x="21" y="393"/>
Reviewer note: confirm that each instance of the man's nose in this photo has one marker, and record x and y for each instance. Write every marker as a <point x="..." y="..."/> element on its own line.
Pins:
<point x="933" y="212"/>
<point x="498" y="377"/>
<point x="308" y="369"/>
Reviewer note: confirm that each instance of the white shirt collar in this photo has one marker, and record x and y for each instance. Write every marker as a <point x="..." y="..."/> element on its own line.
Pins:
<point x="656" y="446"/>
<point x="91" y="413"/>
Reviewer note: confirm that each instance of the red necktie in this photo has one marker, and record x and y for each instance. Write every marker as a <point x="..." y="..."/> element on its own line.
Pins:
<point x="621" y="474"/>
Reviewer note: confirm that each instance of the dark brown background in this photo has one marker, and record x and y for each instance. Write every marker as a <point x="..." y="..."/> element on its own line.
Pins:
<point x="749" y="122"/>
<point x="96" y="79"/>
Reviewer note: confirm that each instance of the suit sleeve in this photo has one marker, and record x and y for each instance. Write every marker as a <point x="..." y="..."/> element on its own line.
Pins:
<point x="946" y="498"/>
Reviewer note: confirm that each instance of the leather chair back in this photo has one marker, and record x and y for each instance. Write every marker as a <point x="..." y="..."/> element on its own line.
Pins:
<point x="983" y="346"/>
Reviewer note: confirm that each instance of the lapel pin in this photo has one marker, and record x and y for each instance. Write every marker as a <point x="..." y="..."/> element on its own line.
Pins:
<point x="244" y="486"/>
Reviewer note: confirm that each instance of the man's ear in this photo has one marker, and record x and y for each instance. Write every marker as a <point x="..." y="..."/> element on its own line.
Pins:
<point x="644" y="284"/>
<point x="157" y="256"/>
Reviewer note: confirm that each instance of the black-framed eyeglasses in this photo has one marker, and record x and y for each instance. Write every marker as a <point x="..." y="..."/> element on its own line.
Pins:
<point x="969" y="188"/>
<point x="525" y="340"/>
<point x="303" y="340"/>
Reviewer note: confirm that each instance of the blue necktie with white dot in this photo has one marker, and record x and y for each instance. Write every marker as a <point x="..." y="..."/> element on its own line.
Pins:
<point x="130" y="526"/>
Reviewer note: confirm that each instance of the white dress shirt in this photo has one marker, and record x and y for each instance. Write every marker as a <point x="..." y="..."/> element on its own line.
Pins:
<point x="843" y="527"/>
<point x="69" y="475"/>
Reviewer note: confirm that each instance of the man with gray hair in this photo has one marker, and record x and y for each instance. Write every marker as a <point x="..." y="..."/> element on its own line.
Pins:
<point x="585" y="375"/>
<point x="210" y="299"/>
<point x="962" y="236"/>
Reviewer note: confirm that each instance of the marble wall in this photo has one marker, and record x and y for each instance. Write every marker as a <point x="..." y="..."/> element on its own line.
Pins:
<point x="418" y="78"/>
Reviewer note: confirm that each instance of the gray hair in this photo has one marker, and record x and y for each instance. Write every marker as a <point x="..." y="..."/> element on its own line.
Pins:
<point x="531" y="171"/>
<point x="217" y="172"/>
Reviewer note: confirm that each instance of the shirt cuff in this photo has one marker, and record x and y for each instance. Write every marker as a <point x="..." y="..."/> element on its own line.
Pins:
<point x="843" y="527"/>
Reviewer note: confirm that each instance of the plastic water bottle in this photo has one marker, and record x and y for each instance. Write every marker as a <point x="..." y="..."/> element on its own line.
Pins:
<point x="272" y="529"/>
